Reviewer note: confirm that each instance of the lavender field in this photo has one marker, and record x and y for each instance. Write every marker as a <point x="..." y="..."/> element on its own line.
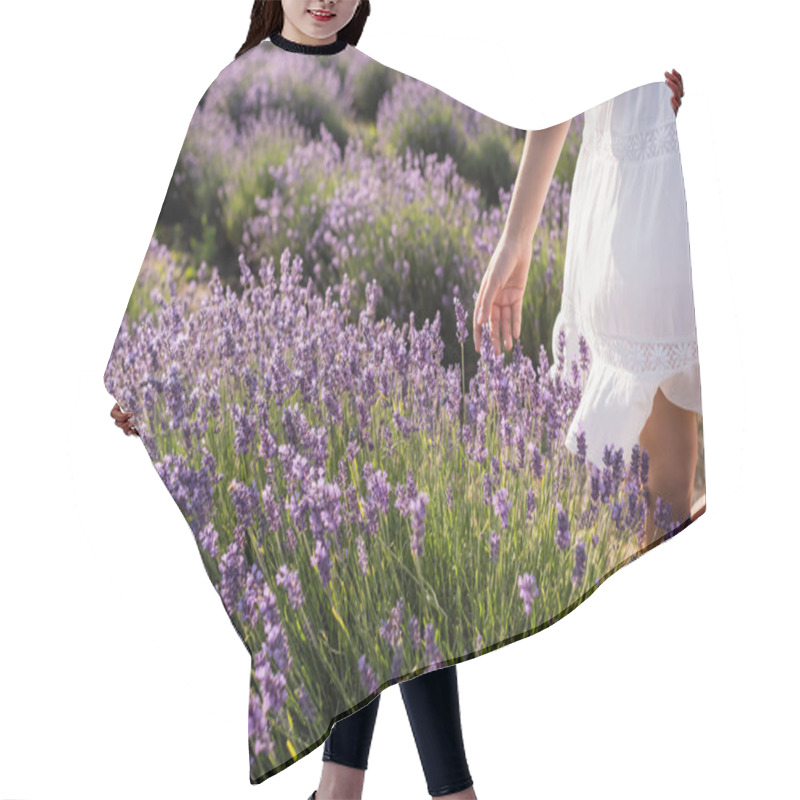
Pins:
<point x="371" y="498"/>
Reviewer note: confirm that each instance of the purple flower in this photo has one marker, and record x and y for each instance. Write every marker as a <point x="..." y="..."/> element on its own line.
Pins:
<point x="363" y="562"/>
<point x="580" y="562"/>
<point x="562" y="345"/>
<point x="246" y="500"/>
<point x="663" y="514"/>
<point x="258" y="724"/>
<point x="461" y="321"/>
<point x="633" y="468"/>
<point x="258" y="603"/>
<point x="531" y="504"/>
<point x="645" y="458"/>
<point x="304" y="701"/>
<point x="433" y="655"/>
<point x="495" y="466"/>
<point x="562" y="535"/>
<point x="244" y="428"/>
<point x="585" y="355"/>
<point x="538" y="469"/>
<point x="528" y="589"/>
<point x="290" y="579"/>
<point x="618" y="466"/>
<point x="365" y="671"/>
<point x="391" y="630"/>
<point x="494" y="546"/>
<point x="414" y="633"/>
<point x="581" y="445"/>
<point x="487" y="489"/>
<point x="378" y="487"/>
<point x="321" y="560"/>
<point x="595" y="483"/>
<point x="501" y="505"/>
<point x="272" y="687"/>
<point x="272" y="510"/>
<point x="417" y="508"/>
<point x="617" y="507"/>
<point x="208" y="539"/>
<point x="232" y="568"/>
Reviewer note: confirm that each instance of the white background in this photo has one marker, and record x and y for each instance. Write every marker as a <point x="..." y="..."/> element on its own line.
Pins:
<point x="121" y="674"/>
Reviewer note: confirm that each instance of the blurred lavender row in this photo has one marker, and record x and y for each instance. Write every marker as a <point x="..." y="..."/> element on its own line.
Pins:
<point x="361" y="170"/>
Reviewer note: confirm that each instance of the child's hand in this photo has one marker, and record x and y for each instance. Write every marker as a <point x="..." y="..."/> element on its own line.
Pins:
<point x="675" y="82"/>
<point x="123" y="420"/>
<point x="500" y="296"/>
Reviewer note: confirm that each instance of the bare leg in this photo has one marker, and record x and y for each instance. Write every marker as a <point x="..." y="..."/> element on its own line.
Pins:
<point x="670" y="438"/>
<point x="339" y="782"/>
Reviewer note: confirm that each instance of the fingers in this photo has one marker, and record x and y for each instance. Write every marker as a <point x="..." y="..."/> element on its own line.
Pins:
<point x="677" y="91"/>
<point x="476" y="323"/>
<point x="675" y="82"/>
<point x="123" y="419"/>
<point x="482" y="309"/>
<point x="504" y="321"/>
<point x="128" y="427"/>
<point x="488" y="311"/>
<point x="476" y="331"/>
<point x="496" y="330"/>
<point x="516" y="315"/>
<point x="500" y="330"/>
<point x="674" y="76"/>
<point x="506" y="331"/>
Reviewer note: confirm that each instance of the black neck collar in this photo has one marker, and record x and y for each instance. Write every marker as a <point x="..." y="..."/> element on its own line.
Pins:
<point x="309" y="49"/>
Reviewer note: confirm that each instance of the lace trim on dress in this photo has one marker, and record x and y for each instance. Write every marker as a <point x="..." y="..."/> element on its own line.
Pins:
<point x="634" y="356"/>
<point x="638" y="146"/>
<point x="640" y="357"/>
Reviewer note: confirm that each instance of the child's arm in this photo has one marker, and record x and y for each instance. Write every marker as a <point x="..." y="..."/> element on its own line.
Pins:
<point x="539" y="159"/>
<point x="499" y="300"/>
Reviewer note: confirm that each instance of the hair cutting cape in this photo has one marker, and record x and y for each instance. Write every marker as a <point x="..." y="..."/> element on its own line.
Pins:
<point x="371" y="497"/>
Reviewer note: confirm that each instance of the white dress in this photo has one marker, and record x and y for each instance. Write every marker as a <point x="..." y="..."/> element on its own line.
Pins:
<point x="627" y="272"/>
